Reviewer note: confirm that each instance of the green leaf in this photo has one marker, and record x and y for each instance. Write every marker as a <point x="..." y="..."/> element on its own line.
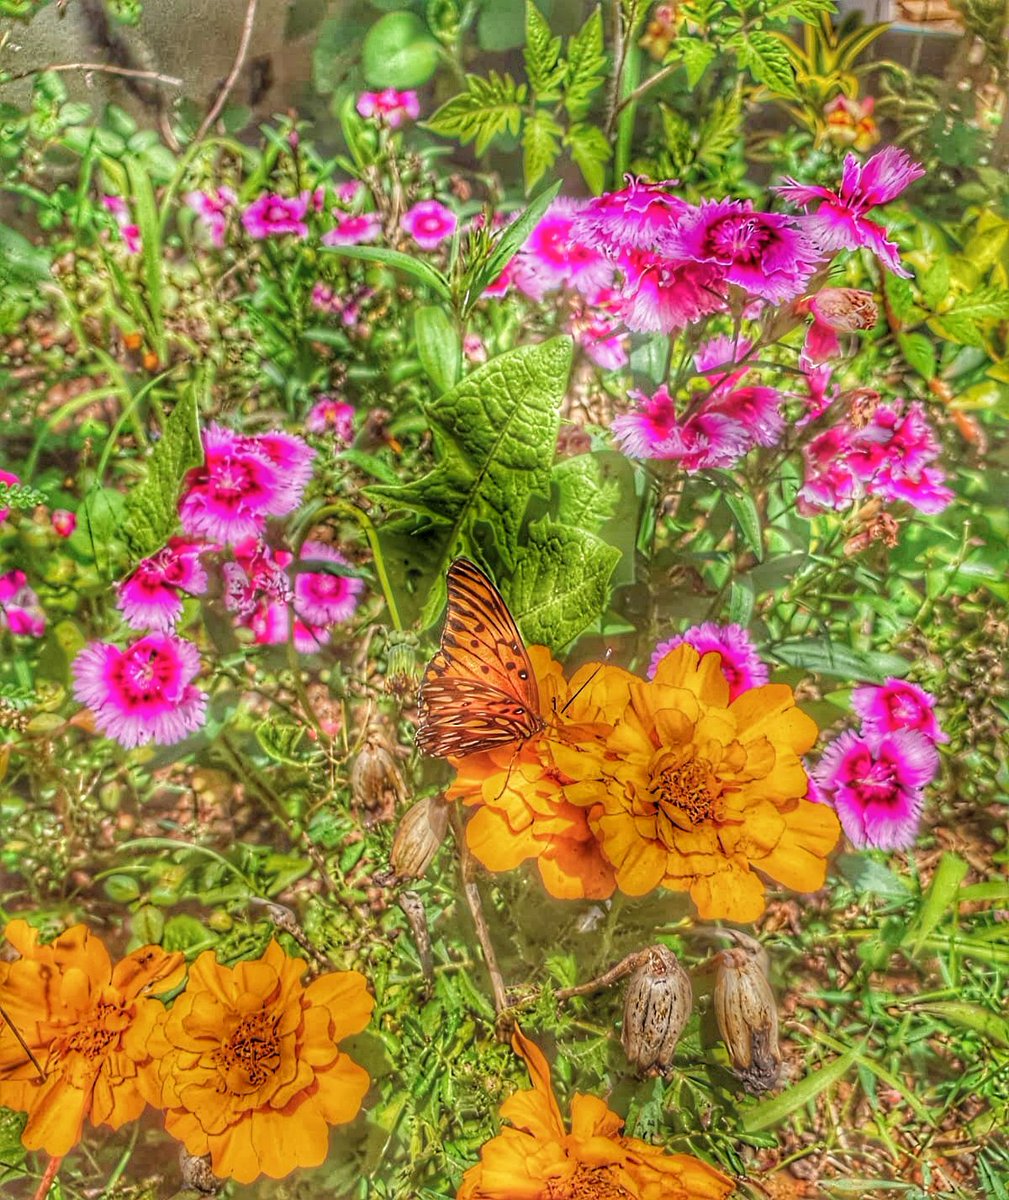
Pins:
<point x="919" y="353"/>
<point x="591" y="152"/>
<point x="494" y="438"/>
<point x="990" y="1025"/>
<point x="561" y="582"/>
<point x="585" y="497"/>
<point x="511" y="239"/>
<point x="939" y="899"/>
<point x="985" y="304"/>
<point x="835" y="659"/>
<point x="21" y="263"/>
<point x="742" y="600"/>
<point x="152" y="505"/>
<point x="771" y="1113"/>
<point x="871" y="878"/>
<point x="399" y="52"/>
<point x="763" y="55"/>
<point x="540" y="146"/>
<point x="586" y="66"/>
<point x="900" y="298"/>
<point x="420" y="270"/>
<point x="721" y="130"/>
<point x="744" y="511"/>
<point x="544" y="68"/>
<point x="695" y="55"/>
<point x="488" y="107"/>
<point x="145" y="213"/>
<point x="438" y="346"/>
<point x="934" y="283"/>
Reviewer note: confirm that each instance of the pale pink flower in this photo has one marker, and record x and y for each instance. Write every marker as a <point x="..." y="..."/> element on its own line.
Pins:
<point x="353" y="230"/>
<point x="350" y="192"/>
<point x="143" y="693"/>
<point x="330" y="415"/>
<point x="272" y="215"/>
<point x="429" y="223"/>
<point x="895" y="705"/>
<point x="20" y="610"/>
<point x="10" y="479"/>
<point x="839" y="222"/>
<point x="257" y="574"/>
<point x="128" y="230"/>
<point x="151" y="598"/>
<point x="389" y="107"/>
<point x="741" y="664"/>
<point x="212" y="209"/>
<point x="324" y="597"/>
<point x="64" y="522"/>
<point x="474" y="349"/>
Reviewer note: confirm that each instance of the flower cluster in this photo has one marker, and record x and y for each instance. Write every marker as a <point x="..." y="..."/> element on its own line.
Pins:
<point x="246" y="1063"/>
<point x="672" y="782"/>
<point x="875" y="778"/>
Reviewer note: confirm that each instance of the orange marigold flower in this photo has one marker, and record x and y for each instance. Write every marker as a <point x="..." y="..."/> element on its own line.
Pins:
<point x="88" y="1025"/>
<point x="522" y="812"/>
<point x="691" y="792"/>
<point x="249" y="1066"/>
<point x="539" y="1159"/>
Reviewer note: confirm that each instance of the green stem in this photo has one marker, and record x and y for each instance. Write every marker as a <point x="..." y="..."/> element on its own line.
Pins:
<point x="627" y="112"/>
<point x="371" y="533"/>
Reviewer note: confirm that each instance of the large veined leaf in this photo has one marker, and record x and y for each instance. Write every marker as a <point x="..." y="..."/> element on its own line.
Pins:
<point x="494" y="439"/>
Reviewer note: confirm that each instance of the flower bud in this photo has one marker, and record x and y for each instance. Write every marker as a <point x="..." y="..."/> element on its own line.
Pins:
<point x="376" y="784"/>
<point x="748" y="1019"/>
<point x="421" y="831"/>
<point x="659" y="999"/>
<point x="402" y="669"/>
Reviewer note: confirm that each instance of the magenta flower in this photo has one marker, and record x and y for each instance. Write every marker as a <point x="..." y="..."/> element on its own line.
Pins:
<point x="703" y="440"/>
<point x="20" y="610"/>
<point x="353" y="230"/>
<point x="272" y="216"/>
<point x="349" y="192"/>
<point x="258" y="573"/>
<point x="553" y="256"/>
<point x="757" y="409"/>
<point x="64" y="522"/>
<point x="389" y="107"/>
<point x="765" y="253"/>
<point x="429" y="223"/>
<point x="741" y="665"/>
<point x="662" y="295"/>
<point x="722" y="351"/>
<point x="212" y="209"/>
<point x="834" y="311"/>
<point x="329" y="415"/>
<point x="143" y="693"/>
<point x="271" y="626"/>
<point x="820" y="392"/>
<point x="320" y="597"/>
<point x="897" y="705"/>
<point x="11" y="479"/>
<point x="151" y="598"/>
<point x="639" y="216"/>
<point x="839" y="222"/>
<point x="243" y="480"/>
<point x="129" y="231"/>
<point x="875" y="784"/>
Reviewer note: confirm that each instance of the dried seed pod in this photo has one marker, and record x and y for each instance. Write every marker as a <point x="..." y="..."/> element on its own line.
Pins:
<point x="375" y="780"/>
<point x="197" y="1175"/>
<point x="421" y="831"/>
<point x="659" y="999"/>
<point x="748" y="1019"/>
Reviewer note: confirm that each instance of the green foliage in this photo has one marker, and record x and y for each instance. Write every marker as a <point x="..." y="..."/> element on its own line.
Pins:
<point x="399" y="52"/>
<point x="488" y="107"/>
<point x="438" y="346"/>
<point x="151" y="506"/>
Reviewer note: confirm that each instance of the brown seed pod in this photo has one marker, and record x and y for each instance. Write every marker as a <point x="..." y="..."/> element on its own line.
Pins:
<point x="659" y="999"/>
<point x="375" y="780"/>
<point x="748" y="1018"/>
<point x="420" y="832"/>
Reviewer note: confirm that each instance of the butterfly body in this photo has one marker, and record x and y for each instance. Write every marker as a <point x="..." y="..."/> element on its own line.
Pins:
<point x="479" y="691"/>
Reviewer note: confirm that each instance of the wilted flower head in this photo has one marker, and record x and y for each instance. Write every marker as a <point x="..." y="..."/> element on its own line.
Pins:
<point x="876" y="782"/>
<point x="419" y="835"/>
<point x="212" y="209"/>
<point x="429" y="223"/>
<point x="88" y="1024"/>
<point x="851" y="123"/>
<point x="151" y="598"/>
<point x="272" y="216"/>
<point x="250" y="1069"/>
<point x="834" y="311"/>
<point x="839" y="222"/>
<point x="747" y="1018"/>
<point x="658" y="1003"/>
<point x="660" y="32"/>
<point x="740" y="663"/>
<point x="143" y="693"/>
<point x="897" y="704"/>
<point x="20" y="610"/>
<point x="390" y="107"/>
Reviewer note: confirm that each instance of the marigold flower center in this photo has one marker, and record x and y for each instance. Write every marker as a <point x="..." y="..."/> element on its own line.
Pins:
<point x="685" y="791"/>
<point x="252" y="1049"/>
<point x="587" y="1183"/>
<point x="91" y="1041"/>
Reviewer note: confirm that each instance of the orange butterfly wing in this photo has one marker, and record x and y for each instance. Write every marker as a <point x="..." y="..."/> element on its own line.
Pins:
<point x="479" y="690"/>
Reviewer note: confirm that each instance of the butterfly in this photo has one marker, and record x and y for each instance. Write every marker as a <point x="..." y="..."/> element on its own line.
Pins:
<point x="479" y="691"/>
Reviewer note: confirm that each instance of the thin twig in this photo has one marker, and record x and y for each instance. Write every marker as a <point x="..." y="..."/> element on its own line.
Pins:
<point x="23" y="1044"/>
<point x="619" y="55"/>
<point x="102" y="68"/>
<point x="472" y="894"/>
<point x="607" y="979"/>
<point x="650" y="82"/>
<point x="236" y="70"/>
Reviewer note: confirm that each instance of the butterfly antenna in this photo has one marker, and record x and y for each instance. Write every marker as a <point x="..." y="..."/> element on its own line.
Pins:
<point x="508" y="773"/>
<point x="23" y="1044"/>
<point x="572" y="699"/>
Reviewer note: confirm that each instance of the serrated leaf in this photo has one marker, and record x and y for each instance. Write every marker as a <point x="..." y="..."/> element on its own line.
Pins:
<point x="763" y="55"/>
<point x="984" y="304"/>
<point x="542" y="54"/>
<point x="586" y="66"/>
<point x="721" y="129"/>
<point x="696" y="57"/>
<point x="591" y="152"/>
<point x="900" y="298"/>
<point x="842" y="662"/>
<point x="151" y="512"/>
<point x="540" y="146"/>
<point x="561" y="582"/>
<point x="919" y="353"/>
<point x="934" y="283"/>
<point x="494" y="439"/>
<point x="488" y="107"/>
<point x="585" y="497"/>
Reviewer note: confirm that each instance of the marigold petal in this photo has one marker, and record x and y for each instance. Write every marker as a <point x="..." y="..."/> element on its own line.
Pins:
<point x="341" y="1090"/>
<point x="798" y="861"/>
<point x="735" y="894"/>
<point x="591" y="1117"/>
<point x="346" y="995"/>
<point x="495" y="843"/>
<point x="56" y="1117"/>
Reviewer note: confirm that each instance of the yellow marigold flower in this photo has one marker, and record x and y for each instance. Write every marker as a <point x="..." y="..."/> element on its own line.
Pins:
<point x="538" y="1158"/>
<point x="691" y="792"/>
<point x="88" y="1025"/>
<point x="522" y="812"/>
<point x="249" y="1067"/>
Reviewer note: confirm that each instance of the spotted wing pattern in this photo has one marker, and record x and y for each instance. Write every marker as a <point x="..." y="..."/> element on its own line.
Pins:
<point x="479" y="690"/>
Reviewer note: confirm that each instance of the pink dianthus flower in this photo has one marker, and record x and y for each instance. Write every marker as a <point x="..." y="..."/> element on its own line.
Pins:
<point x="353" y="230"/>
<point x="272" y="215"/>
<point x="330" y="415"/>
<point x="151" y="598"/>
<point x="741" y="665"/>
<point x="429" y="223"/>
<point x="212" y="209"/>
<point x="20" y="610"/>
<point x="389" y="107"/>
<point x="895" y="705"/>
<point x="641" y="215"/>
